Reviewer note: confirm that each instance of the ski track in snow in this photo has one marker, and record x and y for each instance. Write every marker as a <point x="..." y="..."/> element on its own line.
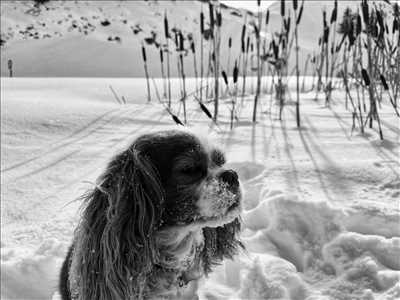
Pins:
<point x="88" y="137"/>
<point x="75" y="136"/>
<point x="321" y="209"/>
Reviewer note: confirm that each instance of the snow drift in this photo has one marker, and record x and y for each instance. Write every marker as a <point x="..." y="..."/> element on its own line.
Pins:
<point x="294" y="250"/>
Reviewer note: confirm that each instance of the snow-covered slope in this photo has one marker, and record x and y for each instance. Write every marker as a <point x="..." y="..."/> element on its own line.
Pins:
<point x="78" y="38"/>
<point x="103" y="38"/>
<point x="321" y="208"/>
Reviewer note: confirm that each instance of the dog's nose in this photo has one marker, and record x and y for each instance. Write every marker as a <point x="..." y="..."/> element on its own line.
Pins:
<point x="230" y="177"/>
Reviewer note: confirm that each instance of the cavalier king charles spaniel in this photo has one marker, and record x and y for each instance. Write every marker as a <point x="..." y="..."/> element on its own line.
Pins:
<point x="164" y="212"/>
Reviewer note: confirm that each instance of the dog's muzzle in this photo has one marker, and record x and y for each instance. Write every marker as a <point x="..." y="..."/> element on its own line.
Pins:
<point x="220" y="195"/>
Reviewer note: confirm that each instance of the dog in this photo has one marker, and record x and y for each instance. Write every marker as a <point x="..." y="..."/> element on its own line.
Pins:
<point x="161" y="216"/>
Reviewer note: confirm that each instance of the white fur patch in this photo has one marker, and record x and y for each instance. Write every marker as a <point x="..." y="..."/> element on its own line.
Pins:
<point x="215" y="198"/>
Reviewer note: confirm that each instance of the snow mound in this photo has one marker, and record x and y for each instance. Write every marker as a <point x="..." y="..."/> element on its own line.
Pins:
<point x="372" y="220"/>
<point x="30" y="274"/>
<point x="298" y="249"/>
<point x="368" y="258"/>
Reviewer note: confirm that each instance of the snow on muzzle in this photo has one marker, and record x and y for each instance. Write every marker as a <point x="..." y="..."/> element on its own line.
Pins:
<point x="220" y="197"/>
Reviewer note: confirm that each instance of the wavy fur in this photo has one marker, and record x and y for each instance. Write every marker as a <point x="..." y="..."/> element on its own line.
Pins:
<point x="114" y="243"/>
<point x="142" y="234"/>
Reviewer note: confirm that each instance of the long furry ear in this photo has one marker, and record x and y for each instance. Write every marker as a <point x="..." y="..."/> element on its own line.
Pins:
<point x="114" y="243"/>
<point x="220" y="243"/>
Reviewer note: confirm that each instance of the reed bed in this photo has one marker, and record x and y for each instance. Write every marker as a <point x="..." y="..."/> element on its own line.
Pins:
<point x="360" y="47"/>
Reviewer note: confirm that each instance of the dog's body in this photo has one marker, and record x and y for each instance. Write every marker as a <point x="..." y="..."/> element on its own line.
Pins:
<point x="164" y="212"/>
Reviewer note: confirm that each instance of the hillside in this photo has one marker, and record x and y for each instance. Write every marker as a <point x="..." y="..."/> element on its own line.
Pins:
<point x="103" y="38"/>
<point x="97" y="38"/>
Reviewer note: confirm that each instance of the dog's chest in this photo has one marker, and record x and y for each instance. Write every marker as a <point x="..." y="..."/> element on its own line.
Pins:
<point x="179" y="248"/>
<point x="179" y="260"/>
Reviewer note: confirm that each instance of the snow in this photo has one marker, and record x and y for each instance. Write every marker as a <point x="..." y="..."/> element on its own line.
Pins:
<point x="31" y="274"/>
<point x="321" y="204"/>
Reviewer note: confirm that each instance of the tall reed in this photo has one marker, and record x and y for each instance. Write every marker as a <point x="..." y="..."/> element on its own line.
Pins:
<point x="196" y="75"/>
<point x="234" y="98"/>
<point x="215" y="27"/>
<point x="181" y="51"/>
<point x="257" y="29"/>
<point x="163" y="73"/>
<point x="167" y="37"/>
<point x="146" y="73"/>
<point x="297" y="18"/>
<point x="201" y="52"/>
<point x="229" y="59"/>
<point x="245" y="66"/>
<point x="334" y="50"/>
<point x="10" y="67"/>
<point x="243" y="54"/>
<point x="325" y="42"/>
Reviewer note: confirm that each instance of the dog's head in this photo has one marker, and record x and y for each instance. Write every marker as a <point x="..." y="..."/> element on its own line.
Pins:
<point x="196" y="186"/>
<point x="163" y="180"/>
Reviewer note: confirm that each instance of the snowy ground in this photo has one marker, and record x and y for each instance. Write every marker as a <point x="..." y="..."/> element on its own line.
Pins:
<point x="321" y="217"/>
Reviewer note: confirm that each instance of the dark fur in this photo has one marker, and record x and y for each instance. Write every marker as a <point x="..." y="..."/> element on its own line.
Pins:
<point x="148" y="187"/>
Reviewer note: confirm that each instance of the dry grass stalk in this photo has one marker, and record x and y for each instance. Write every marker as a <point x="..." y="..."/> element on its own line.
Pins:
<point x="297" y="18"/>
<point x="201" y="52"/>
<point x="167" y="108"/>
<point x="193" y="48"/>
<point x="333" y="51"/>
<point x="257" y="30"/>
<point x="146" y="73"/>
<point x="115" y="95"/>
<point x="182" y="71"/>
<point x="167" y="37"/>
<point x="10" y="67"/>
<point x="163" y="73"/>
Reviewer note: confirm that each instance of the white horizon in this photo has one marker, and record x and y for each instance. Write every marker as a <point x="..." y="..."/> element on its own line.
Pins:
<point x="252" y="4"/>
<point x="249" y="4"/>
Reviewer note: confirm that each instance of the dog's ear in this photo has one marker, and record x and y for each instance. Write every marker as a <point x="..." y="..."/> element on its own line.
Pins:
<point x="220" y="243"/>
<point x="114" y="247"/>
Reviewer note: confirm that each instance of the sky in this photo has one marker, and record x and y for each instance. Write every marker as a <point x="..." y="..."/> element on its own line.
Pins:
<point x="249" y="4"/>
